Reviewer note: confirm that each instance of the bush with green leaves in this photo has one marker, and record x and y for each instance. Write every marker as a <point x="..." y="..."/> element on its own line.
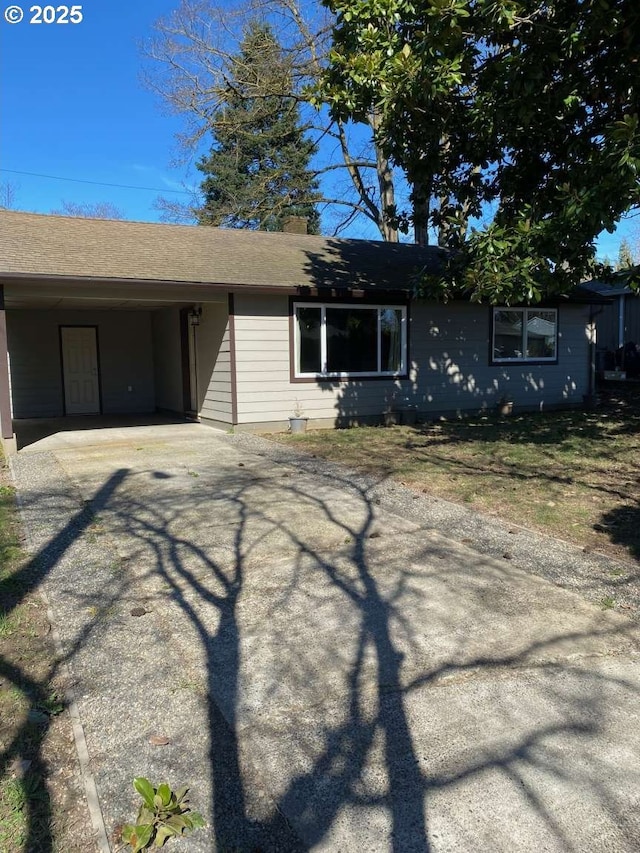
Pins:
<point x="163" y="814"/>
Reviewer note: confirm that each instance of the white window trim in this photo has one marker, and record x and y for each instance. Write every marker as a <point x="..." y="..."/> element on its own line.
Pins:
<point x="524" y="359"/>
<point x="323" y="340"/>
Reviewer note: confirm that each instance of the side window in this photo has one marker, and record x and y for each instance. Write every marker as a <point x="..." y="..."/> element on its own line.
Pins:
<point x="524" y="334"/>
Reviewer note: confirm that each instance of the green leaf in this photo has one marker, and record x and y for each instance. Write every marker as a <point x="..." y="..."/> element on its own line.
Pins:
<point x="127" y="832"/>
<point x="181" y="793"/>
<point x="145" y="789"/>
<point x="163" y="834"/>
<point x="145" y="814"/>
<point x="197" y="820"/>
<point x="143" y="836"/>
<point x="164" y="792"/>
<point x="177" y="822"/>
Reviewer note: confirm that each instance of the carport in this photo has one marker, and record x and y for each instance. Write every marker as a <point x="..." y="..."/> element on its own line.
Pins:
<point x="87" y="347"/>
<point x="110" y="318"/>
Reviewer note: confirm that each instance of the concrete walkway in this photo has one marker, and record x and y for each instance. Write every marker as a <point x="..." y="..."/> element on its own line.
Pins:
<point x="331" y="673"/>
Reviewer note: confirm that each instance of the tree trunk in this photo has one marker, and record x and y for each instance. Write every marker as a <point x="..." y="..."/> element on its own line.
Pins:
<point x="385" y="184"/>
<point x="387" y="196"/>
<point x="421" y="199"/>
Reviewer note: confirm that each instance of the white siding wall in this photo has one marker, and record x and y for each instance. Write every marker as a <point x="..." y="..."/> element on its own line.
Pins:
<point x="449" y="354"/>
<point x="167" y="359"/>
<point x="214" y="363"/>
<point x="125" y="353"/>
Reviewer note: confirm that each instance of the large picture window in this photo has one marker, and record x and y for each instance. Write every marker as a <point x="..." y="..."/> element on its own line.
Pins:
<point x="349" y="340"/>
<point x="525" y="334"/>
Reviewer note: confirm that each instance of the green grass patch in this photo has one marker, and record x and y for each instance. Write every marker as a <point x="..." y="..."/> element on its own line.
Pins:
<point x="20" y="802"/>
<point x="9" y="622"/>
<point x="12" y="817"/>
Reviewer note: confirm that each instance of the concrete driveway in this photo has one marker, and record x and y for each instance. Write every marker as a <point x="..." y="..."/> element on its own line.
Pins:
<point x="330" y="674"/>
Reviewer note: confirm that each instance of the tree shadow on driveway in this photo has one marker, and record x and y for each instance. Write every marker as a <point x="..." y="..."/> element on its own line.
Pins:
<point x="341" y="686"/>
<point x="367" y="685"/>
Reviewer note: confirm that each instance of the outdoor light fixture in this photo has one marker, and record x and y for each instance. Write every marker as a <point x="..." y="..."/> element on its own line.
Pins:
<point x="195" y="314"/>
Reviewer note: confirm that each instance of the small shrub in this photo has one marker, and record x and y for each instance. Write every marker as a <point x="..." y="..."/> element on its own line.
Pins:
<point x="163" y="814"/>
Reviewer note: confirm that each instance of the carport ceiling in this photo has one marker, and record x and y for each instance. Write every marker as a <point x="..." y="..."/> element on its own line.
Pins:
<point x="107" y="296"/>
<point x="86" y="304"/>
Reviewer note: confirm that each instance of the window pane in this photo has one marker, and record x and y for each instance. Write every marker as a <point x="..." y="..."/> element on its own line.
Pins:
<point x="507" y="334"/>
<point x="352" y="340"/>
<point x="541" y="334"/>
<point x="309" y="336"/>
<point x="390" y="339"/>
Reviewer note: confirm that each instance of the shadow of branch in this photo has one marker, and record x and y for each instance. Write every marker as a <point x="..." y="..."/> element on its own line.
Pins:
<point x="32" y="732"/>
<point x="208" y="587"/>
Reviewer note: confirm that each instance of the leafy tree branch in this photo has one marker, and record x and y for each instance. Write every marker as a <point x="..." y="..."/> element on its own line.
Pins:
<point x="516" y="122"/>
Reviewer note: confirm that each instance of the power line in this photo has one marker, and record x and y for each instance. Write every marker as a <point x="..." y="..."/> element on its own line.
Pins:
<point x="96" y="183"/>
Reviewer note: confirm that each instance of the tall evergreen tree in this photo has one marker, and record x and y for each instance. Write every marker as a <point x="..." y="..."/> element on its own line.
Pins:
<point x="190" y="51"/>
<point x="625" y="255"/>
<point x="257" y="172"/>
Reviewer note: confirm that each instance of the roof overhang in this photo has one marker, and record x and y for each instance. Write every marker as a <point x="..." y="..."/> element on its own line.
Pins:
<point x="47" y="292"/>
<point x="23" y="290"/>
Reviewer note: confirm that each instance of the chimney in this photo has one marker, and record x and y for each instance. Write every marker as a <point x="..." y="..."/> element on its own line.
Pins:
<point x="295" y="225"/>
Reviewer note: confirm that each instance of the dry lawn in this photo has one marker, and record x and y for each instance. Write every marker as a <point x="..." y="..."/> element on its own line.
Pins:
<point x="574" y="475"/>
<point x="42" y="805"/>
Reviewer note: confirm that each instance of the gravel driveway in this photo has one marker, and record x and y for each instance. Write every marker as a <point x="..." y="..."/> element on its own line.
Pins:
<point x="336" y="665"/>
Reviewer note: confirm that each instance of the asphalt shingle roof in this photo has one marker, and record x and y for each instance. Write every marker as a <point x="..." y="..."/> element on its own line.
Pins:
<point x="618" y="285"/>
<point x="68" y="247"/>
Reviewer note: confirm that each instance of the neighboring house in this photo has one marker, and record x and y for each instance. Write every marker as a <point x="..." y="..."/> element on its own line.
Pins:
<point x="237" y="327"/>
<point x="617" y="323"/>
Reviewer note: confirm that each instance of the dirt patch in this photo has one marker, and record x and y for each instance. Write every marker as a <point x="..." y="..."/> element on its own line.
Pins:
<point x="42" y="801"/>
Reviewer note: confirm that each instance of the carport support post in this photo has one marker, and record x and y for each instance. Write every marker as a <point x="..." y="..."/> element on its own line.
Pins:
<point x="6" y="425"/>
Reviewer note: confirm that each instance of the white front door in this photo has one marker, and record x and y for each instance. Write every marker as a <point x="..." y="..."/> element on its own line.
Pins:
<point x="80" y="370"/>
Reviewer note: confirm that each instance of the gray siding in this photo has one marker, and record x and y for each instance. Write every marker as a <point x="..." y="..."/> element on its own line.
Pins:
<point x="450" y="371"/>
<point x="167" y="359"/>
<point x="607" y="326"/>
<point x="632" y="318"/>
<point x="36" y="373"/>
<point x="124" y="351"/>
<point x="608" y="322"/>
<point x="214" y="364"/>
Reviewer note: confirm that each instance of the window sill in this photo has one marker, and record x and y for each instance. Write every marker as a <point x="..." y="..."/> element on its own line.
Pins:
<point x="514" y="362"/>
<point x="349" y="377"/>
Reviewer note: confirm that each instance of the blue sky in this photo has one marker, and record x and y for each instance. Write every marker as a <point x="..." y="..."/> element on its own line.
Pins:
<point x="72" y="105"/>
